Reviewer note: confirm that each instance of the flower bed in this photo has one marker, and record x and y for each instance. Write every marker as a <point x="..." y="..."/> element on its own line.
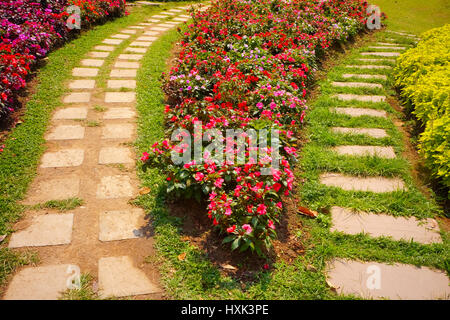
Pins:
<point x="423" y="75"/>
<point x="30" y="29"/>
<point x="246" y="65"/>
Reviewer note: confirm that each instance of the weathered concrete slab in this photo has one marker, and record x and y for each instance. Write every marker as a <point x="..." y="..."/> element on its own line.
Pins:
<point x="129" y="31"/>
<point x="361" y="66"/>
<point x="120" y="97"/>
<point x="372" y="132"/>
<point x="85" y="72"/>
<point x="379" y="280"/>
<point x="62" y="158"/>
<point x="77" y="97"/>
<point x="377" y="225"/>
<point x="120" y="225"/>
<point x="112" y="41"/>
<point x="40" y="283"/>
<point x="123" y="73"/>
<point x="364" y="76"/>
<point x="92" y="62"/>
<point x="66" y="132"/>
<point x="387" y="48"/>
<point x="120" y="36"/>
<point x="358" y="112"/>
<point x="134" y="57"/>
<point x="112" y="187"/>
<point x="356" y="84"/>
<point x="54" y="189"/>
<point x="146" y="38"/>
<point x="381" y="54"/>
<point x="368" y="184"/>
<point x="118" y="277"/>
<point x="117" y="84"/>
<point x="117" y="131"/>
<point x="119" y="113"/>
<point x="104" y="48"/>
<point x="71" y="113"/>
<point x="45" y="230"/>
<point x="126" y="65"/>
<point x="98" y="54"/>
<point x="110" y="155"/>
<point x="141" y="44"/>
<point x="357" y="97"/>
<point x="136" y="50"/>
<point x="82" y="84"/>
<point x="382" y="152"/>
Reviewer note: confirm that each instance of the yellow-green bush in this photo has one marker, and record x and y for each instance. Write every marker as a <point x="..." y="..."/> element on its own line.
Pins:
<point x="423" y="75"/>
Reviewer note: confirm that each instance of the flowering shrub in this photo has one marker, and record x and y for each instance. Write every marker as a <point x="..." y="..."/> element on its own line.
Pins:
<point x="423" y="75"/>
<point x="246" y="65"/>
<point x="29" y="29"/>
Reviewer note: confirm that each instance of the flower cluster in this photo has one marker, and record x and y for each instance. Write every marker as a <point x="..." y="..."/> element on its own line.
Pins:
<point x="29" y="29"/>
<point x="247" y="65"/>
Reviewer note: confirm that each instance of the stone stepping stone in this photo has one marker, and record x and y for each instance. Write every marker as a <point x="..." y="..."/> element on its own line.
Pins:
<point x="55" y="189"/>
<point x="368" y="67"/>
<point x="77" y="97"/>
<point x="168" y="13"/>
<point x="45" y="230"/>
<point x="358" y="112"/>
<point x="134" y="57"/>
<point x="366" y="184"/>
<point x="82" y="84"/>
<point x="372" y="132"/>
<point x="137" y="27"/>
<point x="158" y="16"/>
<point x="120" y="97"/>
<point x="387" y="44"/>
<point x="40" y="283"/>
<point x="183" y="16"/>
<point x="121" y="36"/>
<point x="165" y="25"/>
<point x="120" y="225"/>
<point x="85" y="72"/>
<point x="117" y="131"/>
<point x="151" y="33"/>
<point x="181" y="19"/>
<point x="110" y="155"/>
<point x="119" y="113"/>
<point x="118" y="277"/>
<point x="66" y="132"/>
<point x="129" y="31"/>
<point x="379" y="225"/>
<point x="98" y="54"/>
<point x="148" y="38"/>
<point x="381" y="54"/>
<point x="382" y="152"/>
<point x="387" y="48"/>
<point x="377" y="60"/>
<point x="112" y="41"/>
<point x="159" y="29"/>
<point x="173" y="23"/>
<point x="126" y="65"/>
<point x="123" y="73"/>
<point x="357" y="84"/>
<point x="63" y="158"/>
<point x="402" y="33"/>
<point x="380" y="281"/>
<point x="104" y="48"/>
<point x="145" y="24"/>
<point x="176" y="10"/>
<point x="363" y="98"/>
<point x="117" y="84"/>
<point x="141" y="44"/>
<point x="112" y="187"/>
<point x="92" y="62"/>
<point x="153" y="20"/>
<point x="364" y="76"/>
<point x="136" y="50"/>
<point x="70" y="113"/>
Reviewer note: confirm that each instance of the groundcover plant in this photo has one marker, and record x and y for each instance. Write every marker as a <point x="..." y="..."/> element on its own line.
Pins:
<point x="245" y="66"/>
<point x="29" y="29"/>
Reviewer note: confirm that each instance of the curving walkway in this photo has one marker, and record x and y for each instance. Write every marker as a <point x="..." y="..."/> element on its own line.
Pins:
<point x="89" y="155"/>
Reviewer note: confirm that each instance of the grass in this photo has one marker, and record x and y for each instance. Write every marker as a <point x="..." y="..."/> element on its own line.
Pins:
<point x="415" y="16"/>
<point x="85" y="292"/>
<point x="197" y="278"/>
<point x="61" y="205"/>
<point x="25" y="144"/>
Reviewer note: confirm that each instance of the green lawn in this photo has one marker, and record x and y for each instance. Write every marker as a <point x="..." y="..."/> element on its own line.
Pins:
<point x="415" y="16"/>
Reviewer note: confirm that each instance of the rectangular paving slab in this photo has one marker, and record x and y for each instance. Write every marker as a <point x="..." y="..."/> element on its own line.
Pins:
<point x="45" y="230"/>
<point x="112" y="187"/>
<point x="117" y="131"/>
<point x="378" y="225"/>
<point x="62" y="158"/>
<point x="356" y="84"/>
<point x="112" y="41"/>
<point x="381" y="54"/>
<point x="70" y="113"/>
<point x="368" y="67"/>
<point x="121" y="36"/>
<point x="54" y="189"/>
<point x="104" y="48"/>
<point x="159" y="29"/>
<point x="82" y="84"/>
<point x="134" y="57"/>
<point x="92" y="62"/>
<point x="364" y="76"/>
<point x="129" y="31"/>
<point x="118" y="277"/>
<point x="40" y="283"/>
<point x="377" y="60"/>
<point x="66" y="132"/>
<point x="146" y="38"/>
<point x="368" y="184"/>
<point x="120" y="97"/>
<point x="136" y="50"/>
<point x="141" y="44"/>
<point x="117" y="84"/>
<point x="387" y="48"/>
<point x="120" y="225"/>
<point x="119" y="113"/>
<point x="85" y="72"/>
<point x="151" y="33"/>
<point x="123" y="73"/>
<point x="379" y="280"/>
<point x="357" y="97"/>
<point x="77" y="97"/>
<point x="371" y="132"/>
<point x="358" y="112"/>
<point x="98" y="54"/>
<point x="382" y="152"/>
<point x="110" y="155"/>
<point x="126" y="64"/>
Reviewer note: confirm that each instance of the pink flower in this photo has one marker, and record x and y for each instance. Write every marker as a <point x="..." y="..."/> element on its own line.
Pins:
<point x="218" y="183"/>
<point x="262" y="209"/>
<point x="231" y="229"/>
<point x="279" y="205"/>
<point x="248" y="228"/>
<point x="145" y="156"/>
<point x="228" y="211"/>
<point x="199" y="176"/>
<point x="271" y="225"/>
<point x="277" y="187"/>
